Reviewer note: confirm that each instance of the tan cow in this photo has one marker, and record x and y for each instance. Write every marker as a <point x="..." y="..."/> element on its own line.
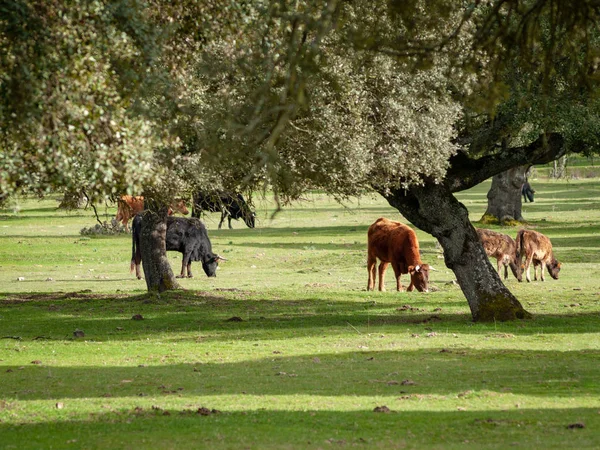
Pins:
<point x="537" y="249"/>
<point x="503" y="248"/>
<point x="395" y="243"/>
<point x="128" y="206"/>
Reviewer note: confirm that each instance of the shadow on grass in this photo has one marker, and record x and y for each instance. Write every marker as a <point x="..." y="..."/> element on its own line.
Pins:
<point x="255" y="429"/>
<point x="348" y="372"/>
<point x="217" y="316"/>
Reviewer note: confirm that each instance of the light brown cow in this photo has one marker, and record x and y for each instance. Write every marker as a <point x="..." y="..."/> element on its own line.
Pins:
<point x="128" y="206"/>
<point x="503" y="248"/>
<point x="395" y="243"/>
<point x="536" y="248"/>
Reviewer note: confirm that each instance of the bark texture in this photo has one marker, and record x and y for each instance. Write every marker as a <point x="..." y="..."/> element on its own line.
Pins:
<point x="435" y="210"/>
<point x="504" y="196"/>
<point x="157" y="270"/>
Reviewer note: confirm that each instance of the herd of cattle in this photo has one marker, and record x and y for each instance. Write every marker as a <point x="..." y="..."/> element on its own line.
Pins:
<point x="187" y="236"/>
<point x="395" y="243"/>
<point x="230" y="205"/>
<point x="389" y="241"/>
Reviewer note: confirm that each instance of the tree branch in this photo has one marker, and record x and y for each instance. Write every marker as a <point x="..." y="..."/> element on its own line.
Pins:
<point x="466" y="172"/>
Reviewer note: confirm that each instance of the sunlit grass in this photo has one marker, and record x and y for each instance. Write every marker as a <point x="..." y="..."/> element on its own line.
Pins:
<point x="286" y="345"/>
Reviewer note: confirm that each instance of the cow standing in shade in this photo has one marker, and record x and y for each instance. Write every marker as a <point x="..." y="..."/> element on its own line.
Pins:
<point x="187" y="236"/>
<point x="503" y="248"/>
<point x="537" y="249"/>
<point x="229" y="204"/>
<point x="129" y="206"/>
<point x="395" y="243"/>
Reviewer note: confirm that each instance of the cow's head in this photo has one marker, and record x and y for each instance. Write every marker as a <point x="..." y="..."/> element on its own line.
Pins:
<point x="517" y="268"/>
<point x="180" y="207"/>
<point x="553" y="268"/>
<point x="211" y="263"/>
<point x="419" y="277"/>
<point x="249" y="217"/>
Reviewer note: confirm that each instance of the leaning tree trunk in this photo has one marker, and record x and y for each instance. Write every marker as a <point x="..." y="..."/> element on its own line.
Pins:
<point x="504" y="196"/>
<point x="435" y="210"/>
<point x="157" y="270"/>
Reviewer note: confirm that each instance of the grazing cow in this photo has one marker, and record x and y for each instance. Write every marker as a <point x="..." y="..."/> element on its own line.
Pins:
<point x="229" y="204"/>
<point x="527" y="192"/>
<point x="187" y="236"/>
<point x="536" y="248"/>
<point x="395" y="243"/>
<point x="503" y="248"/>
<point x="128" y="206"/>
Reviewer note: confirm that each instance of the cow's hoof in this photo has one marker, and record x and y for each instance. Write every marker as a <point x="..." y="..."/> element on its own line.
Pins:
<point x="179" y="276"/>
<point x="190" y="276"/>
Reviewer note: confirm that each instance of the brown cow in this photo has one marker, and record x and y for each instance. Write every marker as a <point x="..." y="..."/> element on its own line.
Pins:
<point x="395" y="243"/>
<point x="536" y="248"/>
<point x="503" y="248"/>
<point x="128" y="206"/>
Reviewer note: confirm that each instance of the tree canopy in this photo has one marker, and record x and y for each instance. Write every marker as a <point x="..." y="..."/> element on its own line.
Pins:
<point x="344" y="96"/>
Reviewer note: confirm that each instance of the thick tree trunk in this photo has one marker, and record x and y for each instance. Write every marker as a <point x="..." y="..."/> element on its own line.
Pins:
<point x="435" y="210"/>
<point x="157" y="270"/>
<point x="504" y="196"/>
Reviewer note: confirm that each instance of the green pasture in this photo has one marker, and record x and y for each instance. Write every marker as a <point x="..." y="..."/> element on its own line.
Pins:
<point x="285" y="348"/>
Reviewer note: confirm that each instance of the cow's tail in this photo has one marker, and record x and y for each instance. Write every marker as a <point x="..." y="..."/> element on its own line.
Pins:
<point x="519" y="242"/>
<point x="518" y="254"/>
<point x="519" y="246"/>
<point x="136" y="253"/>
<point x="119" y="216"/>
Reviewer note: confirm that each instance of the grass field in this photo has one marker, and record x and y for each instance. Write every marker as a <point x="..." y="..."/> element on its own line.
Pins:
<point x="285" y="348"/>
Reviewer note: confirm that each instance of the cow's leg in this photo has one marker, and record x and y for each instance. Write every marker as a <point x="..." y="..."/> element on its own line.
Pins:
<point x="222" y="219"/>
<point x="528" y="261"/>
<point x="229" y="222"/>
<point x="398" y="274"/>
<point x="499" y="266"/>
<point x="185" y="263"/>
<point x="382" y="268"/>
<point x="182" y="274"/>
<point x="371" y="264"/>
<point x="542" y="266"/>
<point x="189" y="270"/>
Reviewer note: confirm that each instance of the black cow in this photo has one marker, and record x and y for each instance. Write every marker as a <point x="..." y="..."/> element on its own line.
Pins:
<point x="527" y="192"/>
<point x="229" y="204"/>
<point x="187" y="236"/>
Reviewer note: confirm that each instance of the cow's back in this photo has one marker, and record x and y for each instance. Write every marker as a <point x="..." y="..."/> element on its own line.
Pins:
<point x="188" y="236"/>
<point x="535" y="244"/>
<point x="389" y="240"/>
<point x="496" y="244"/>
<point x="128" y="206"/>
